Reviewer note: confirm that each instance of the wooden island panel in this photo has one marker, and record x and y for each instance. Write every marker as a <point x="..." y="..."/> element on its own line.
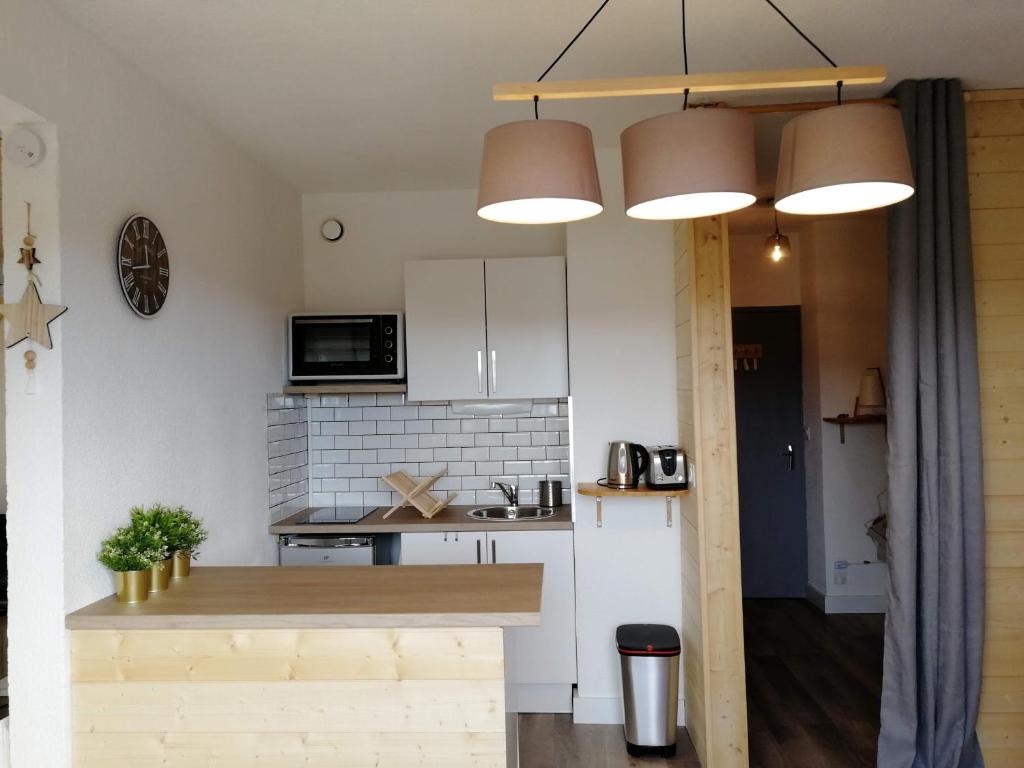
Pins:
<point x="281" y="698"/>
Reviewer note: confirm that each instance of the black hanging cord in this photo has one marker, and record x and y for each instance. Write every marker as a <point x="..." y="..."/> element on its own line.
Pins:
<point x="686" y="57"/>
<point x="536" y="110"/>
<point x="801" y="33"/>
<point x="576" y="37"/>
<point x="839" y="92"/>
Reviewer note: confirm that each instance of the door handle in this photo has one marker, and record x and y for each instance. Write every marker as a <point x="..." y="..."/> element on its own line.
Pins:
<point x="788" y="453"/>
<point x="480" y="371"/>
<point x="478" y="560"/>
<point x="494" y="371"/>
<point x="494" y="552"/>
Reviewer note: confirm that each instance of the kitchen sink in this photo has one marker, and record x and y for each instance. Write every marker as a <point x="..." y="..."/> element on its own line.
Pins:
<point x="506" y="514"/>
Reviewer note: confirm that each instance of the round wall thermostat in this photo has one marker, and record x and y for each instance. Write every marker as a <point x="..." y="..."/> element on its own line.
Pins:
<point x="23" y="148"/>
<point x="332" y="230"/>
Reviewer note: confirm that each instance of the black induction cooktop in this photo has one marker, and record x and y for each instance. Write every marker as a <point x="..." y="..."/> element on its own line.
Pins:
<point x="335" y="515"/>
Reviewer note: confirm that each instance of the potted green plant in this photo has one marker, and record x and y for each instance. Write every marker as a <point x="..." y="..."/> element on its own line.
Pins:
<point x="185" y="533"/>
<point x="131" y="553"/>
<point x="162" y="518"/>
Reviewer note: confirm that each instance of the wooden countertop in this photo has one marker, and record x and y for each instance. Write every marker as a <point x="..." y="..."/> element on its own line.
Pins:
<point x="409" y="520"/>
<point x="266" y="597"/>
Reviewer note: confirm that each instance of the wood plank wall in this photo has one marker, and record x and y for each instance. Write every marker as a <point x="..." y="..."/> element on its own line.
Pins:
<point x="995" y="162"/>
<point x="693" y="585"/>
<point x="280" y="698"/>
<point x="711" y="559"/>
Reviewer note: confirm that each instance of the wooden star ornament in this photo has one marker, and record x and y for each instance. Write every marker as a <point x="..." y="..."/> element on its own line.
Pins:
<point x="30" y="318"/>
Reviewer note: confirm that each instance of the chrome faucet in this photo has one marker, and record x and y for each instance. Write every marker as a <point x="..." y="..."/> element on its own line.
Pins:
<point x="511" y="491"/>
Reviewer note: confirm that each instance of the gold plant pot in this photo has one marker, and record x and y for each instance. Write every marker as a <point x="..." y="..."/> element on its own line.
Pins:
<point x="181" y="565"/>
<point x="133" y="586"/>
<point x="161" y="576"/>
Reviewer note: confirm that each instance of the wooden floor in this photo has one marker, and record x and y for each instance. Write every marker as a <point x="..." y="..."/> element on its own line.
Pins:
<point x="552" y="741"/>
<point x="814" y="683"/>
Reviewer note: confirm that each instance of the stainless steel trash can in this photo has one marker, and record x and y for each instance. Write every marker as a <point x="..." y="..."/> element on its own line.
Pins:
<point x="649" y="655"/>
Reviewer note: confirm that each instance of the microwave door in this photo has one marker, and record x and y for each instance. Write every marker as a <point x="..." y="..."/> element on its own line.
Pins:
<point x="341" y="348"/>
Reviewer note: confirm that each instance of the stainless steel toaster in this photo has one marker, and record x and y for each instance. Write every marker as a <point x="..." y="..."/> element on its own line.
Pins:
<point x="667" y="468"/>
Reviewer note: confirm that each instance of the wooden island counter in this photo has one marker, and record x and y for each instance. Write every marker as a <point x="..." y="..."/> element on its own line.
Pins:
<point x="391" y="666"/>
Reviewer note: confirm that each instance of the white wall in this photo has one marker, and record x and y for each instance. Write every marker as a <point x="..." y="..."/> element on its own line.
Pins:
<point x="623" y="376"/>
<point x="133" y="411"/>
<point x="844" y="324"/>
<point x="363" y="271"/>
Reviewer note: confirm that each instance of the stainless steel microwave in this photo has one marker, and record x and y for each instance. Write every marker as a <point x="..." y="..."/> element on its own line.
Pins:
<point x="339" y="347"/>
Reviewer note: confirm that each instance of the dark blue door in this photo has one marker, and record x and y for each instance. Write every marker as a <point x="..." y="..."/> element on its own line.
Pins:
<point x="769" y="435"/>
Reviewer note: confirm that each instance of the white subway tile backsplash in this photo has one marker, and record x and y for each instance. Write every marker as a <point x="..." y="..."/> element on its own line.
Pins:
<point x="353" y="440"/>
<point x="502" y="454"/>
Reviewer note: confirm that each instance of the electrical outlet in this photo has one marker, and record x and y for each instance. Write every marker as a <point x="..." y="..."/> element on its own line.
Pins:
<point x="839" y="571"/>
<point x="839" y="577"/>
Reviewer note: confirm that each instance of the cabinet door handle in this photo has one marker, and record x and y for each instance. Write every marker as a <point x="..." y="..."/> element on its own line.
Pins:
<point x="478" y="560"/>
<point x="480" y="371"/>
<point x="494" y="371"/>
<point x="494" y="551"/>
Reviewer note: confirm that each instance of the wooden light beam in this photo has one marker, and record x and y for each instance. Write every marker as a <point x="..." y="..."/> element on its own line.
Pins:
<point x="661" y="85"/>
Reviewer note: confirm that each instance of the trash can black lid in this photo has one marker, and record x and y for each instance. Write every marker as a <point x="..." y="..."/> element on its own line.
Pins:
<point x="647" y="640"/>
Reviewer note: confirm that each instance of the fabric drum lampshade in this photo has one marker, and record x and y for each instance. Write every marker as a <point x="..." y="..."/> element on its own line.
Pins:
<point x="683" y="165"/>
<point x="539" y="172"/>
<point x="843" y="159"/>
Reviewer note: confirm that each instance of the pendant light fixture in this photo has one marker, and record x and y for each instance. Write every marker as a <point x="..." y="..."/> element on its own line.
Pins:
<point x="851" y="157"/>
<point x="540" y="171"/>
<point x="688" y="164"/>
<point x="776" y="246"/>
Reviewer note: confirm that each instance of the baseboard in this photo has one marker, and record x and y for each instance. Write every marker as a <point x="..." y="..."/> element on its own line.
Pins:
<point x="542" y="698"/>
<point x="856" y="603"/>
<point x="816" y="598"/>
<point x="592" y="710"/>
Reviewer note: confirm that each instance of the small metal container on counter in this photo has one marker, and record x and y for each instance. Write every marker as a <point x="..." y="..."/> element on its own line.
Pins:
<point x="550" y="493"/>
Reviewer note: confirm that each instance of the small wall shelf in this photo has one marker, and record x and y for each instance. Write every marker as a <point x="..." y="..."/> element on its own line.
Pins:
<point x="852" y="421"/>
<point x="342" y="389"/>
<point x="600" y="491"/>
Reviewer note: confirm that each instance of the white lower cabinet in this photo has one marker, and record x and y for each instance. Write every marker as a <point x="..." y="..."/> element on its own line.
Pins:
<point x="540" y="661"/>
<point x="443" y="548"/>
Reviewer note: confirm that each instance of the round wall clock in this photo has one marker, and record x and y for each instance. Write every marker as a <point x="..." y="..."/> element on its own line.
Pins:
<point x="143" y="268"/>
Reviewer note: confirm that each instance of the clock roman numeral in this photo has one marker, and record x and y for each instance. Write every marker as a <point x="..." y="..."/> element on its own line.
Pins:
<point x="135" y="296"/>
<point x="135" y="228"/>
<point x="162" y="287"/>
<point x="161" y="253"/>
<point x="129" y="281"/>
<point x="145" y="228"/>
<point x="126" y="261"/>
<point x="164" y="272"/>
<point x="145" y="302"/>
<point x="156" y="303"/>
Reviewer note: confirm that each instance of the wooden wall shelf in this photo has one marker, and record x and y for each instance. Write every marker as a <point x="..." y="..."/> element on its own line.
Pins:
<point x="845" y="421"/>
<point x="600" y="491"/>
<point x="342" y="389"/>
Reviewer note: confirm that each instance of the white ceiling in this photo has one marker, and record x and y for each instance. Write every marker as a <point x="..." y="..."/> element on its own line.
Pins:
<point x="360" y="95"/>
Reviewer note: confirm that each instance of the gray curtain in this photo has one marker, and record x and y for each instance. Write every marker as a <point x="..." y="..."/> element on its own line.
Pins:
<point x="934" y="629"/>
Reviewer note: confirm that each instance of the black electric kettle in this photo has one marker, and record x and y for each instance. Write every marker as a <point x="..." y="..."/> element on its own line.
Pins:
<point x="627" y="463"/>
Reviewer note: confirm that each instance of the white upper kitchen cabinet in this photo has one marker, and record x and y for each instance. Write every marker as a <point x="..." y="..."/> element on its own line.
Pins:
<point x="527" y="345"/>
<point x="446" y="329"/>
<point x="486" y="329"/>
